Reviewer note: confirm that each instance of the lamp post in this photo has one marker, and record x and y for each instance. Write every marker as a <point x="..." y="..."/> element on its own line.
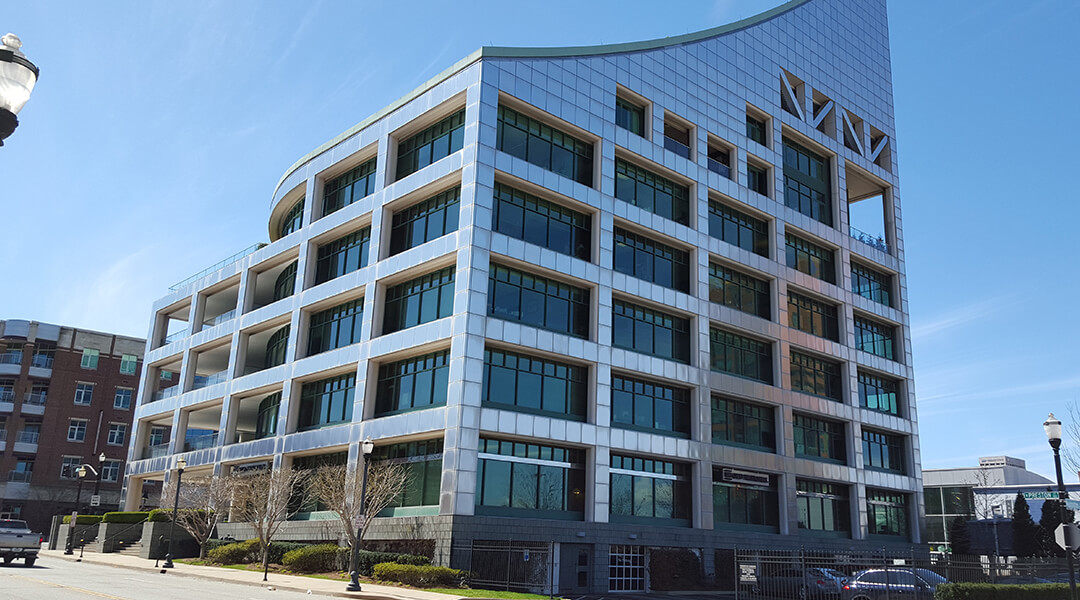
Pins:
<point x="354" y="563"/>
<point x="180" y="464"/>
<point x="81" y="473"/>
<point x="17" y="78"/>
<point x="1053" y="433"/>
<point x="97" y="483"/>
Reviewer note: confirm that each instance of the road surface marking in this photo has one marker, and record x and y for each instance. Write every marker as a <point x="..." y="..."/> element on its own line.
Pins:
<point x="66" y="587"/>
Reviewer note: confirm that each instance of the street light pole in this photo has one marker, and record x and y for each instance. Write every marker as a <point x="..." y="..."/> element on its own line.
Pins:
<point x="81" y="474"/>
<point x="97" y="483"/>
<point x="180" y="464"/>
<point x="354" y="563"/>
<point x="17" y="78"/>
<point x="1052" y="427"/>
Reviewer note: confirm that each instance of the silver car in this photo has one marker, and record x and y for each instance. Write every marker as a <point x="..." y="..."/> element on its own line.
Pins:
<point x="892" y="584"/>
<point x="796" y="582"/>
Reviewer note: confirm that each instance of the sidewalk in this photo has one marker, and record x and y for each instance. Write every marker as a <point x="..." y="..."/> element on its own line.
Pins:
<point x="294" y="583"/>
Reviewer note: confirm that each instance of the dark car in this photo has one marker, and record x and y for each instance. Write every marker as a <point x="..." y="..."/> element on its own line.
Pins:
<point x="797" y="582"/>
<point x="892" y="583"/>
<point x="1023" y="580"/>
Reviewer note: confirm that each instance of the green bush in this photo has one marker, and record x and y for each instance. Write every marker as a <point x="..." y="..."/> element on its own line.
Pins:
<point x="125" y="517"/>
<point x="314" y="559"/>
<point x="213" y="543"/>
<point x="419" y="575"/>
<point x="160" y="515"/>
<point x="83" y="520"/>
<point x="367" y="560"/>
<point x="278" y="550"/>
<point x="238" y="553"/>
<point x="989" y="591"/>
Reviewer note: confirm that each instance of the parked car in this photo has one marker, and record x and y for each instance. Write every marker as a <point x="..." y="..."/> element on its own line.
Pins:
<point x="17" y="541"/>
<point x="796" y="582"/>
<point x="892" y="583"/>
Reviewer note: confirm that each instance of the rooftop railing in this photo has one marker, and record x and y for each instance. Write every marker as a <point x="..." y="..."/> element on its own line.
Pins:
<point x="218" y="265"/>
<point x="870" y="240"/>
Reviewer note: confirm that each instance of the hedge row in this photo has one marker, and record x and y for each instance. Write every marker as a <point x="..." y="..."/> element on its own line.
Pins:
<point x="83" y="520"/>
<point x="989" y="591"/>
<point x="156" y="515"/>
<point x="305" y="558"/>
<point x="420" y="575"/>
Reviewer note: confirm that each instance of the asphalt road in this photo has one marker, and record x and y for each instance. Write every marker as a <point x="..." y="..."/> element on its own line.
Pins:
<point x="64" y="580"/>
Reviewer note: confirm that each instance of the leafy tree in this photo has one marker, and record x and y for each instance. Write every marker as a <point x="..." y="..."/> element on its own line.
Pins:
<point x="959" y="539"/>
<point x="1025" y="531"/>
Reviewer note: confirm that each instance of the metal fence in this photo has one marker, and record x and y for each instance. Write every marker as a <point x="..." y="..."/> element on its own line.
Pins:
<point x="508" y="565"/>
<point x="887" y="573"/>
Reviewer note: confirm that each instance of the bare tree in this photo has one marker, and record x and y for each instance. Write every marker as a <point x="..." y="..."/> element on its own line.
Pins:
<point x="339" y="489"/>
<point x="201" y="501"/>
<point x="984" y="503"/>
<point x="1070" y="445"/>
<point x="262" y="498"/>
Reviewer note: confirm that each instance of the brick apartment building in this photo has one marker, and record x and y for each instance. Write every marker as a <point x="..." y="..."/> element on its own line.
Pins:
<point x="66" y="399"/>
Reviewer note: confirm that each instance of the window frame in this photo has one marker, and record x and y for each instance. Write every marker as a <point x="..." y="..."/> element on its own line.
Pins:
<point x="117" y="431"/>
<point x="90" y="357"/>
<point x="538" y="138"/>
<point x="883" y="451"/>
<point x="836" y="496"/>
<point x="817" y="376"/>
<point x="871" y="284"/>
<point x="335" y="259"/>
<point x="679" y="336"/>
<point x="131" y="362"/>
<point x="749" y="294"/>
<point x="527" y="463"/>
<point x="425" y="147"/>
<point x="764" y="360"/>
<point x="650" y="471"/>
<point x="879" y="382"/>
<point x="800" y="186"/>
<point x="336" y="391"/>
<point x="544" y="372"/>
<point x="640" y="249"/>
<point x="656" y="396"/>
<point x="404" y="222"/>
<point x="820" y="439"/>
<point x="331" y="328"/>
<point x="511" y="290"/>
<point x="753" y="229"/>
<point x="84" y="393"/>
<point x="346" y="184"/>
<point x="579" y="224"/>
<point x="876" y="337"/>
<point x="744" y="412"/>
<point x="819" y="261"/>
<point x="813" y="316"/>
<point x="130" y="398"/>
<point x="679" y="208"/>
<point x="391" y="374"/>
<point x="432" y="289"/>
<point x="631" y="108"/>
<point x="77" y="429"/>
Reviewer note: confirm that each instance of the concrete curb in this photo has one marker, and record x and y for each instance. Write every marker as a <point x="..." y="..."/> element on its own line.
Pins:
<point x="209" y="577"/>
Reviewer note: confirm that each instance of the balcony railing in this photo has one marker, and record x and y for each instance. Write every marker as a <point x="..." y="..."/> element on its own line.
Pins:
<point x="677" y="147"/>
<point x="3" y="435"/>
<point x="718" y="167"/>
<point x="168" y="392"/>
<point x="870" y="240"/>
<point x="200" y="442"/>
<point x="7" y="395"/>
<point x="172" y="337"/>
<point x="11" y="358"/>
<point x="156" y="451"/>
<point x="202" y="381"/>
<point x="27" y="437"/>
<point x="217" y="265"/>
<point x="41" y="361"/>
<point x="21" y="476"/>
<point x="220" y="318"/>
<point x="35" y="398"/>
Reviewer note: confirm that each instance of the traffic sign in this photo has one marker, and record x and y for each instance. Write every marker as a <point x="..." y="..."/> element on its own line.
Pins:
<point x="1067" y="535"/>
<point x="95" y="500"/>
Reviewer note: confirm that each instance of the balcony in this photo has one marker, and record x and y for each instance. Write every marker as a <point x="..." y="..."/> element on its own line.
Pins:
<point x="200" y="442"/>
<point x="202" y="381"/>
<point x="168" y="392"/>
<point x="156" y="451"/>
<point x="870" y="240"/>
<point x="173" y="337"/>
<point x="222" y="318"/>
<point x="34" y="403"/>
<point x="11" y="358"/>
<point x="718" y="167"/>
<point x="677" y="147"/>
<point x="41" y="361"/>
<point x="20" y="476"/>
<point x="3" y="439"/>
<point x="27" y="441"/>
<point x="7" y="400"/>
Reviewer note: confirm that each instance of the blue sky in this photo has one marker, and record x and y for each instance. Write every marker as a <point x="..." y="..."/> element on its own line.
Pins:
<point x="154" y="139"/>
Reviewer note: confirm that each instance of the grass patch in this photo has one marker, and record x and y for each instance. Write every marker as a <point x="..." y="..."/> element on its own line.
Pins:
<point x="471" y="593"/>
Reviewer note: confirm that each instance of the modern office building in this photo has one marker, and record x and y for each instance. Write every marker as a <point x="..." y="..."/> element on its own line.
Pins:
<point x="985" y="492"/>
<point x="67" y="398"/>
<point x="612" y="297"/>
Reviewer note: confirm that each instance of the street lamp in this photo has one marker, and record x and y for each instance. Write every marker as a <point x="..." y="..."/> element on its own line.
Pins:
<point x="17" y="78"/>
<point x="101" y="470"/>
<point x="180" y="464"/>
<point x="1053" y="433"/>
<point x="81" y="473"/>
<point x="354" y="572"/>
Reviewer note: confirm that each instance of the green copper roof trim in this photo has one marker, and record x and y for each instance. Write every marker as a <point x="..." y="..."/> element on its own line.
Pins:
<point x="557" y="52"/>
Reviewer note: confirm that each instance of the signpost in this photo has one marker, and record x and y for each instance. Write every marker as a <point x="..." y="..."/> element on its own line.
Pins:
<point x="95" y="500"/>
<point x="1067" y="535"/>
